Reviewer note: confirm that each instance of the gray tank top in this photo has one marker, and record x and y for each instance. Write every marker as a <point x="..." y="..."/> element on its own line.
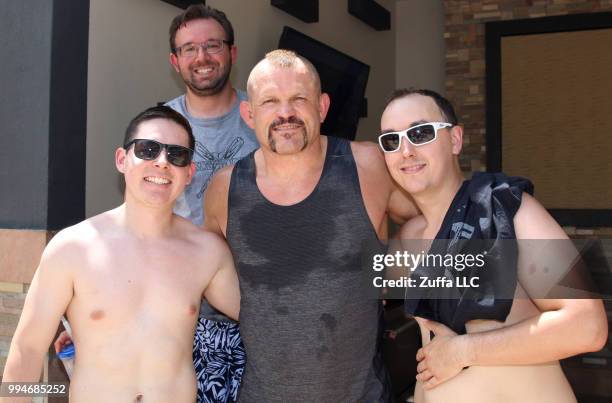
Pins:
<point x="309" y="326"/>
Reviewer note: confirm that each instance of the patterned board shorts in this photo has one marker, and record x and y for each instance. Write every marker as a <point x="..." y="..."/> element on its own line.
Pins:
<point x="219" y="358"/>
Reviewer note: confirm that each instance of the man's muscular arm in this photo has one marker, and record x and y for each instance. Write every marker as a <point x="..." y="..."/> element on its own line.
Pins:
<point x="401" y="206"/>
<point x="215" y="201"/>
<point x="378" y="188"/>
<point x="48" y="297"/>
<point x="565" y="327"/>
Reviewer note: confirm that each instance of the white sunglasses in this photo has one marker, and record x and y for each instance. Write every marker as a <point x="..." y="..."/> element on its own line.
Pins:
<point x="418" y="135"/>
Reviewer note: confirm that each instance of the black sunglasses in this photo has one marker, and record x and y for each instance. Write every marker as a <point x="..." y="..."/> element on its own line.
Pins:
<point x="418" y="135"/>
<point x="146" y="149"/>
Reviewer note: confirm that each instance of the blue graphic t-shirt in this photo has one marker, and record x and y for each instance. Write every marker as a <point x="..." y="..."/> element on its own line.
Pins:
<point x="220" y="141"/>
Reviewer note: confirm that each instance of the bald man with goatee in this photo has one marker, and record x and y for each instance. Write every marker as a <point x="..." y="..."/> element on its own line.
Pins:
<point x="297" y="214"/>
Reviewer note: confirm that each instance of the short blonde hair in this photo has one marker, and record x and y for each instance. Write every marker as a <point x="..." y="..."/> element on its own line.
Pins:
<point x="284" y="58"/>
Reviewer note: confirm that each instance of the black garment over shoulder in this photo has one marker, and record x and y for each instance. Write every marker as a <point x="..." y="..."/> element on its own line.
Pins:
<point x="479" y="219"/>
<point x="310" y="328"/>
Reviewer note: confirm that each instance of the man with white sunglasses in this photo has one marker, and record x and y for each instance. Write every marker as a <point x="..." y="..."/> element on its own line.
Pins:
<point x="487" y="349"/>
<point x="130" y="280"/>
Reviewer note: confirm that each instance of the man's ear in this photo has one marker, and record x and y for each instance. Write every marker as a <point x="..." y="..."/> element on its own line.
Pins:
<point x="192" y="169"/>
<point x="456" y="135"/>
<point x="246" y="112"/>
<point x="120" y="156"/>
<point x="234" y="54"/>
<point x="324" y="102"/>
<point x="174" y="62"/>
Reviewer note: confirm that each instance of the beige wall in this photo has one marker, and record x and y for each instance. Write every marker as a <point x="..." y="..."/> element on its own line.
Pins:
<point x="128" y="71"/>
<point x="419" y="46"/>
<point x="258" y="30"/>
<point x="128" y="67"/>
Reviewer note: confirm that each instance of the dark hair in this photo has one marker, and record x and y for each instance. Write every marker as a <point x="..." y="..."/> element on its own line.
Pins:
<point x="158" y="112"/>
<point x="198" y="12"/>
<point x="446" y="108"/>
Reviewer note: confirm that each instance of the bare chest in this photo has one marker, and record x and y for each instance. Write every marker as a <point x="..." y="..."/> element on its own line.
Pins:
<point x="128" y="286"/>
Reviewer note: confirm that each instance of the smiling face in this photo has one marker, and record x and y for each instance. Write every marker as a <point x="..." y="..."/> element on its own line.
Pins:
<point x="203" y="74"/>
<point x="422" y="168"/>
<point x="285" y="107"/>
<point x="155" y="182"/>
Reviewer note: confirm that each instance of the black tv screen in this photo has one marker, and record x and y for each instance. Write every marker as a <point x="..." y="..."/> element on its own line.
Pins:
<point x="342" y="77"/>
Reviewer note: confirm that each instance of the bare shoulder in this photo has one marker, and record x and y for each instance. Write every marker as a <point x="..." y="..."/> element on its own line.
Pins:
<point x="70" y="247"/>
<point x="81" y="235"/>
<point x="368" y="154"/>
<point x="201" y="240"/>
<point x="532" y="221"/>
<point x="372" y="169"/>
<point x="204" y="238"/>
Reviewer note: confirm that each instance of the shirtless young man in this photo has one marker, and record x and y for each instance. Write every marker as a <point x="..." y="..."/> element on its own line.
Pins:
<point x="510" y="360"/>
<point x="130" y="280"/>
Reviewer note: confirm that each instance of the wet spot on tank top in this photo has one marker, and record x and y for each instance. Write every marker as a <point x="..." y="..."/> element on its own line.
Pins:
<point x="97" y="314"/>
<point x="322" y="352"/>
<point x="329" y="321"/>
<point x="282" y="310"/>
<point x="138" y="398"/>
<point x="275" y="255"/>
<point x="193" y="309"/>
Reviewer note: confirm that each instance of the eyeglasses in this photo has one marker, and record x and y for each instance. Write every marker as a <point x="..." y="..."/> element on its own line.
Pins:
<point x="418" y="135"/>
<point x="211" y="46"/>
<point x="146" y="149"/>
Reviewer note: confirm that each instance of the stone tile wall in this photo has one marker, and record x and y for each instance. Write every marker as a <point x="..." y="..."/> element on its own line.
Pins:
<point x="465" y="64"/>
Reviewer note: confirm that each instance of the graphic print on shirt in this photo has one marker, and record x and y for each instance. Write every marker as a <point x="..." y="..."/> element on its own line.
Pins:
<point x="212" y="162"/>
<point x="461" y="230"/>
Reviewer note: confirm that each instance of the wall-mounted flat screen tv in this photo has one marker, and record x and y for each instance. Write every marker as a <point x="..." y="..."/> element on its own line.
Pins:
<point x="343" y="77"/>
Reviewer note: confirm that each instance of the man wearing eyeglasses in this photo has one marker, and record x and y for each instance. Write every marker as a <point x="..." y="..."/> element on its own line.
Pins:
<point x="203" y="52"/>
<point x="502" y="342"/>
<point x="130" y="280"/>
